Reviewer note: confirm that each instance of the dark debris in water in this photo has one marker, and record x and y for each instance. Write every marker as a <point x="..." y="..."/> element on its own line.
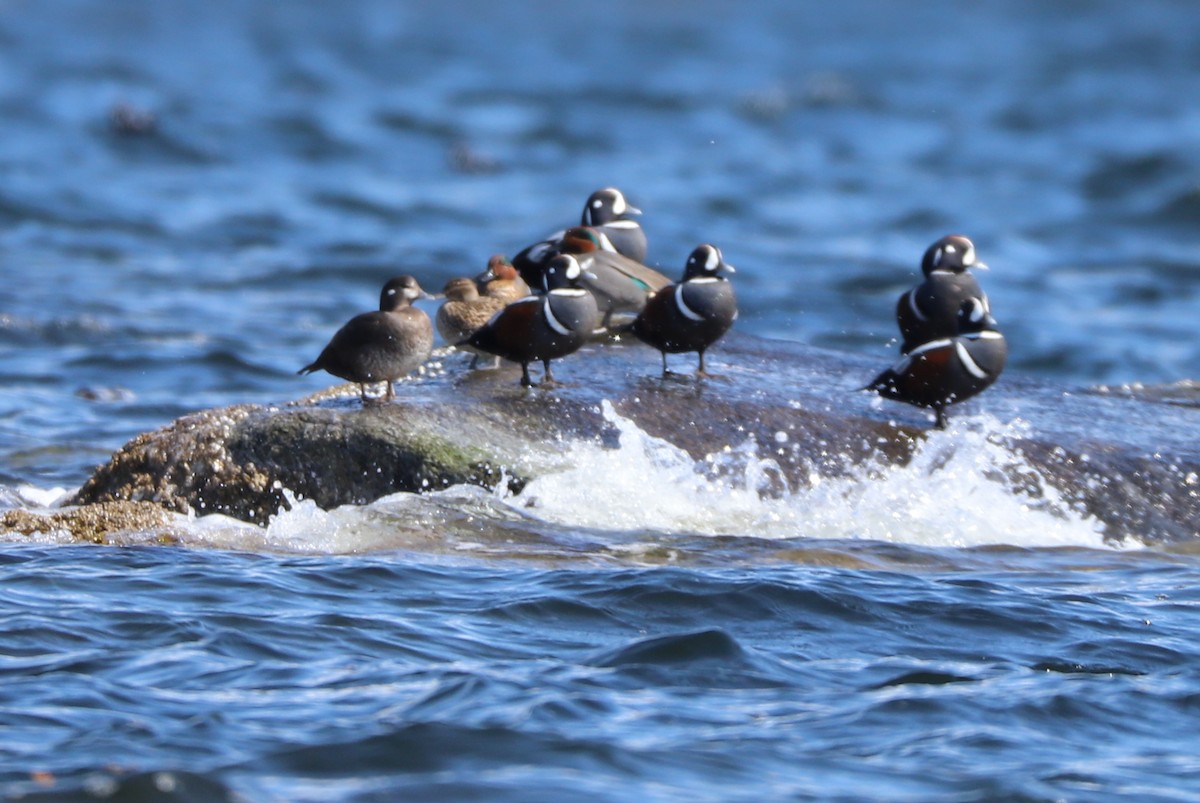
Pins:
<point x="924" y="678"/>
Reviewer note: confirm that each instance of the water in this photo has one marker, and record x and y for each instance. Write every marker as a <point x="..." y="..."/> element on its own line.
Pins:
<point x="638" y="625"/>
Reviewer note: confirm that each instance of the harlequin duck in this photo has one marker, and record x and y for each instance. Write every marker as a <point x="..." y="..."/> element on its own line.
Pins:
<point x="609" y="214"/>
<point x="693" y="314"/>
<point x="619" y="284"/>
<point x="543" y="327"/>
<point x="380" y="346"/>
<point x="464" y="313"/>
<point x="929" y="311"/>
<point x="947" y="370"/>
<point x="501" y="280"/>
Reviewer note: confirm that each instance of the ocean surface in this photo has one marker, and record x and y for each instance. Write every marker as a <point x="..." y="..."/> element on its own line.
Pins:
<point x="194" y="195"/>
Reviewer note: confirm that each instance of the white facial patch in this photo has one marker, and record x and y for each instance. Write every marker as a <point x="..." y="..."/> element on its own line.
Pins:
<point x="391" y="291"/>
<point x="713" y="261"/>
<point x="573" y="270"/>
<point x="937" y="257"/>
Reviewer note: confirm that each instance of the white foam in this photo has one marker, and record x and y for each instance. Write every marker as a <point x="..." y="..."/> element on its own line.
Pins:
<point x="953" y="492"/>
<point x="32" y="496"/>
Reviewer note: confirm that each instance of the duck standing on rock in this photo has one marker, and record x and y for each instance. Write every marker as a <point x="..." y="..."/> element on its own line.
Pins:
<point x="543" y="327"/>
<point x="930" y="310"/>
<point x="947" y="370"/>
<point x="380" y="346"/>
<point x="464" y="313"/>
<point x="610" y="215"/>
<point x="693" y="314"/>
<point x="619" y="284"/>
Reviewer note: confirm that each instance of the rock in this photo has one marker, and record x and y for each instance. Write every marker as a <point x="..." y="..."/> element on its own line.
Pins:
<point x="94" y="522"/>
<point x="800" y="406"/>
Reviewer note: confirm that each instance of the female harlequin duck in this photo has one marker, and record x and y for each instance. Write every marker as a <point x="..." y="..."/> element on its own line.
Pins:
<point x="501" y="280"/>
<point x="619" y="284"/>
<point x="380" y="346"/>
<point x="610" y="215"/>
<point x="930" y="310"/>
<point x="464" y="312"/>
<point x="693" y="314"/>
<point x="942" y="372"/>
<point x="543" y="327"/>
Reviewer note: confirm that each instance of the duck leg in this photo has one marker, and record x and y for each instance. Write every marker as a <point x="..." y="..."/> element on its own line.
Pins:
<point x="548" y="379"/>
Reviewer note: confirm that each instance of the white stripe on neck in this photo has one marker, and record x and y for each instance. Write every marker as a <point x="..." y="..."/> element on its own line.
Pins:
<point x="972" y="367"/>
<point x="682" y="306"/>
<point x="932" y="345"/>
<point x="912" y="305"/>
<point x="554" y="323"/>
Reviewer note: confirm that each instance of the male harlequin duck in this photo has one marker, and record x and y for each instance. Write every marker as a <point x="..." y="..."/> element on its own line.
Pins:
<point x="464" y="313"/>
<point x="619" y="284"/>
<point x="930" y="310"/>
<point x="501" y="280"/>
<point x="942" y="372"/>
<point x="543" y="327"/>
<point x="610" y="215"/>
<point x="380" y="346"/>
<point x="693" y="314"/>
<point x="608" y="212"/>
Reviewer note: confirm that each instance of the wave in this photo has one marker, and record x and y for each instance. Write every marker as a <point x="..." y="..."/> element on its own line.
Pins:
<point x="960" y="489"/>
<point x="640" y="495"/>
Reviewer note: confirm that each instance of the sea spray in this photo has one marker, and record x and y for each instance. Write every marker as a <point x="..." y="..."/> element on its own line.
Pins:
<point x="967" y="486"/>
<point x="958" y="489"/>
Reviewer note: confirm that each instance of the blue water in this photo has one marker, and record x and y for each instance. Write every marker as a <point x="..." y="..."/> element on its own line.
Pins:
<point x="625" y="631"/>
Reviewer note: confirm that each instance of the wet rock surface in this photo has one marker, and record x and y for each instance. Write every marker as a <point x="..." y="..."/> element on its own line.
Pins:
<point x="94" y="523"/>
<point x="1126" y="459"/>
